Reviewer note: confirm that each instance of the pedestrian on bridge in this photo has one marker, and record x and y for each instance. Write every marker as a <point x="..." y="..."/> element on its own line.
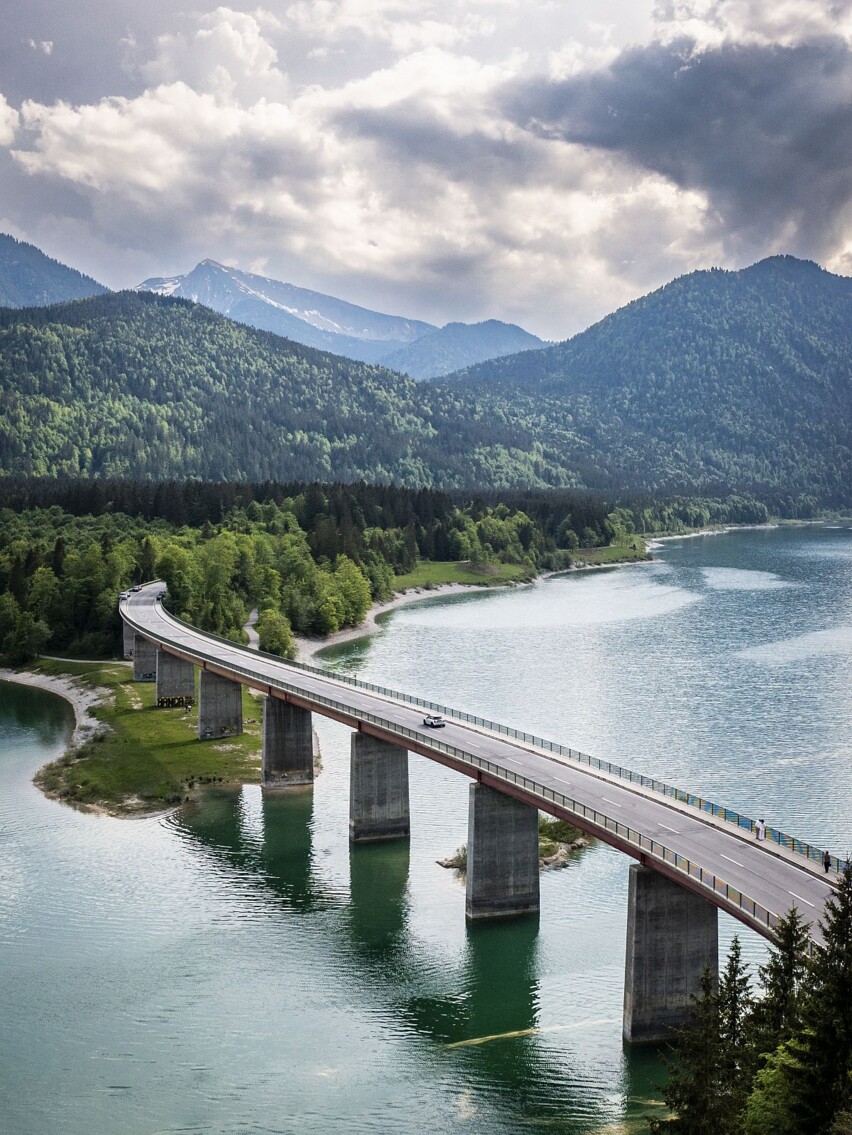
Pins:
<point x="826" y="861"/>
<point x="760" y="830"/>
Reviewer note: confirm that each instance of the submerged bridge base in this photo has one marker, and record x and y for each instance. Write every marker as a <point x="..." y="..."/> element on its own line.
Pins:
<point x="502" y="856"/>
<point x="378" y="790"/>
<point x="672" y="934"/>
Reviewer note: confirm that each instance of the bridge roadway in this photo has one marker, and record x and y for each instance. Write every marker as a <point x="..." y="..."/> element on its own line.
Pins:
<point x="755" y="882"/>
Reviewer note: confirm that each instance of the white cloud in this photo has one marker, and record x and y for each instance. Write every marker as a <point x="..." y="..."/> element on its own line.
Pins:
<point x="785" y="22"/>
<point x="8" y="122"/>
<point x="45" y="46"/>
<point x="228" y="55"/>
<point x="399" y="178"/>
<point x="403" y="25"/>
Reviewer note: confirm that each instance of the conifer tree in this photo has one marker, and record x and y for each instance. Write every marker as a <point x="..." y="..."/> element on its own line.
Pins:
<point x="775" y="1016"/>
<point x="821" y="1087"/>
<point x="693" y="1088"/>
<point x="734" y="1007"/>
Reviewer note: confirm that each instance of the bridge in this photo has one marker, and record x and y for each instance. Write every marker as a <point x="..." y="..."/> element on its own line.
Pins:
<point x="693" y="857"/>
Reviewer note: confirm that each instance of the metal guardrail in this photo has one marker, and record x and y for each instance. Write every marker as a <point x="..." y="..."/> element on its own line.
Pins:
<point x="746" y="823"/>
<point x="759" y="915"/>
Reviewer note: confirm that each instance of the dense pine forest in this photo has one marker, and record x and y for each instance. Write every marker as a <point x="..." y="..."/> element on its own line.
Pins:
<point x="138" y="385"/>
<point x="310" y="557"/>
<point x="739" y="378"/>
<point x="721" y="381"/>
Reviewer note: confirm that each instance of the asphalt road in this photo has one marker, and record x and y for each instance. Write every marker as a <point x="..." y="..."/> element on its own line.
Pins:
<point x="719" y="860"/>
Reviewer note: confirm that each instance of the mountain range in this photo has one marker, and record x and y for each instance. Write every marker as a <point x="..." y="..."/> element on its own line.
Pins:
<point x="410" y="346"/>
<point x="421" y="350"/>
<point x="719" y="381"/>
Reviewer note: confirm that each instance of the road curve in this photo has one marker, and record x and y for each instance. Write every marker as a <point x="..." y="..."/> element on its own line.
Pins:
<point x="755" y="882"/>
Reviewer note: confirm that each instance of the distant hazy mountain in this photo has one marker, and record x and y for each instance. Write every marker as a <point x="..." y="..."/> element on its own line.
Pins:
<point x="460" y="345"/>
<point x="330" y="324"/>
<point x="28" y="278"/>
<point x="296" y="313"/>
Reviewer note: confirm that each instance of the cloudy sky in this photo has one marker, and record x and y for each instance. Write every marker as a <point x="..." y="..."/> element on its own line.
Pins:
<point x="537" y="161"/>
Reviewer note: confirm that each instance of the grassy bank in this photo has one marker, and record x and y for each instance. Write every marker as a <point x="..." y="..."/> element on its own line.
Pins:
<point x="631" y="549"/>
<point x="148" y="758"/>
<point x="433" y="573"/>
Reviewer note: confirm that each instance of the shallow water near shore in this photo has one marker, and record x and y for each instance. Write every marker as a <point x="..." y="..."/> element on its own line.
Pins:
<point x="237" y="967"/>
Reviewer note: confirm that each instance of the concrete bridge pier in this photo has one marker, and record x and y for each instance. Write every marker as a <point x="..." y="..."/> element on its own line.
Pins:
<point x="128" y="637"/>
<point x="378" y="790"/>
<point x="144" y="659"/>
<point x="220" y="706"/>
<point x="502" y="855"/>
<point x="288" y="745"/>
<point x="175" y="677"/>
<point x="672" y="934"/>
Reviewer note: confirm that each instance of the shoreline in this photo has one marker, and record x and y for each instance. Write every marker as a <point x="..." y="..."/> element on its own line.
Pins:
<point x="652" y="542"/>
<point x="81" y="698"/>
<point x="307" y="649"/>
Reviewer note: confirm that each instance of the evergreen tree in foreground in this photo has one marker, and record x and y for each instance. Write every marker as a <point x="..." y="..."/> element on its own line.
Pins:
<point x="706" y="1087"/>
<point x="820" y="1070"/>
<point x="777" y="1014"/>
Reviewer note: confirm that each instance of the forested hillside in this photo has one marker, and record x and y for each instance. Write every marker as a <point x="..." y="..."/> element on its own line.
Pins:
<point x="720" y="382"/>
<point x="134" y="384"/>
<point x="28" y="278"/>
<point x="737" y="378"/>
<point x="459" y="345"/>
<point x="311" y="558"/>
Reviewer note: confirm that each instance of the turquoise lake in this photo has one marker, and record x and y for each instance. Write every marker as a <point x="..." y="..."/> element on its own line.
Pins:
<point x="236" y="968"/>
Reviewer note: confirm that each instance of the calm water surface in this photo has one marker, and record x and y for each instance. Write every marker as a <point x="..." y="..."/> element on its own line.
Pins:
<point x="237" y="968"/>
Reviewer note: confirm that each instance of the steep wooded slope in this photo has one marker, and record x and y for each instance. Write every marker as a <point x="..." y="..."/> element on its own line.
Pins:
<point x="736" y="380"/>
<point x="736" y="377"/>
<point x="29" y="278"/>
<point x="134" y="384"/>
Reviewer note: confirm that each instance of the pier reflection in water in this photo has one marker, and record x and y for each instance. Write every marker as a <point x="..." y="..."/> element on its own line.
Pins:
<point x="472" y="1016"/>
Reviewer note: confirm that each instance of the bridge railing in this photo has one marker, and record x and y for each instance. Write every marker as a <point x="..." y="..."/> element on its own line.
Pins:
<point x="746" y="823"/>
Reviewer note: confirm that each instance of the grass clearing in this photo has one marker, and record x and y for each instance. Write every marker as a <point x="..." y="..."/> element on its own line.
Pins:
<point x="148" y="758"/>
<point x="434" y="573"/>
<point x="630" y="550"/>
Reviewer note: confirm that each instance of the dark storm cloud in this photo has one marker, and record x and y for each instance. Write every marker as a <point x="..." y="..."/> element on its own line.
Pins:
<point x="411" y="134"/>
<point x="766" y="132"/>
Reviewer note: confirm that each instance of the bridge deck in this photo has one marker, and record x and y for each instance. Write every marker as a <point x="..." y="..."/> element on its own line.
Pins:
<point x="755" y="882"/>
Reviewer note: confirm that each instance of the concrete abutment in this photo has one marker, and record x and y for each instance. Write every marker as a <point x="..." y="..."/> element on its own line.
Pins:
<point x="672" y="934"/>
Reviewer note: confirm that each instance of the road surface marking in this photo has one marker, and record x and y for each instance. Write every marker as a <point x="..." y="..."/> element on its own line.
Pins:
<point x="734" y="861"/>
<point x="799" y="897"/>
<point x="611" y="802"/>
<point x="668" y="829"/>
